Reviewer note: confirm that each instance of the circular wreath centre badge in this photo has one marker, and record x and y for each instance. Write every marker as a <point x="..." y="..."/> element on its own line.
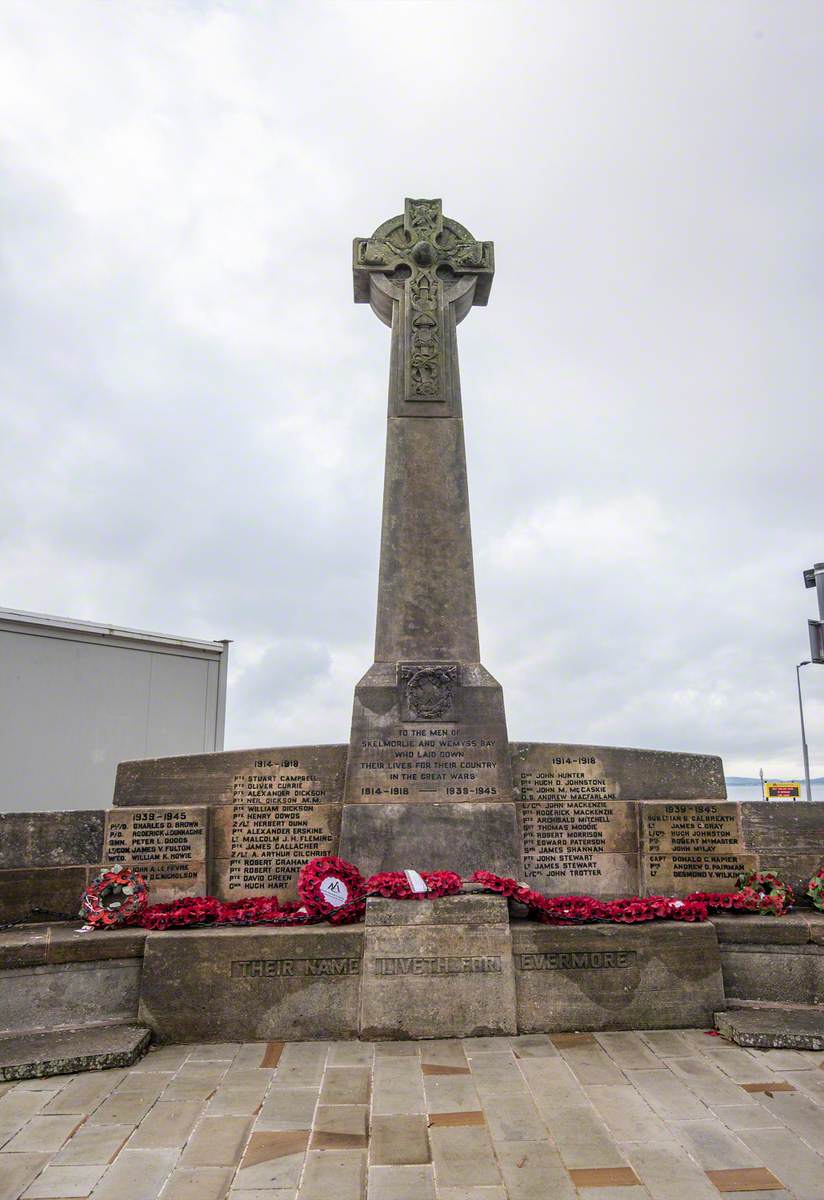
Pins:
<point x="334" y="891"/>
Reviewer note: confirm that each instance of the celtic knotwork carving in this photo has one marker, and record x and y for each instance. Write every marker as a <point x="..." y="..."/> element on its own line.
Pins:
<point x="429" y="690"/>
<point x="424" y="215"/>
<point x="420" y="251"/>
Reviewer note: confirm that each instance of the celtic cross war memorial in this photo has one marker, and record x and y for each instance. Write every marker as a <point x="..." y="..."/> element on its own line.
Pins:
<point x="428" y="780"/>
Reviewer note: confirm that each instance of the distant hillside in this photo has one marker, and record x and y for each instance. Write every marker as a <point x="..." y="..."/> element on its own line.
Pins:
<point x="743" y="781"/>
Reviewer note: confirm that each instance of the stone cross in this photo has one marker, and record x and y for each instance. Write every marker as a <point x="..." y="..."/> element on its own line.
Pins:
<point x="429" y="769"/>
<point x="421" y="273"/>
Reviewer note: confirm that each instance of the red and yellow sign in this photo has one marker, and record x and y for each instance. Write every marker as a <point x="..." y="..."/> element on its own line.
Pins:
<point x="777" y="789"/>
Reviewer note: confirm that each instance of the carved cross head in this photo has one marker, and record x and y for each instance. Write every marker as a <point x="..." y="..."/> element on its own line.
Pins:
<point x="424" y="272"/>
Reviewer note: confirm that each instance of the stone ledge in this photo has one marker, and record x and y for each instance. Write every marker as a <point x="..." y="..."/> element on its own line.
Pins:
<point x="796" y="928"/>
<point x="45" y="945"/>
<point x="470" y="910"/>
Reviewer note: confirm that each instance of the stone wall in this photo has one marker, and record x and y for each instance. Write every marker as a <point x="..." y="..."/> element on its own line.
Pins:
<point x="46" y="860"/>
<point x="265" y="812"/>
<point x="608" y="821"/>
<point x="773" y="961"/>
<point x="594" y="820"/>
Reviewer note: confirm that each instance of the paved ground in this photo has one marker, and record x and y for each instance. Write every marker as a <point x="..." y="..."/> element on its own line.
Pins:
<point x="616" y="1116"/>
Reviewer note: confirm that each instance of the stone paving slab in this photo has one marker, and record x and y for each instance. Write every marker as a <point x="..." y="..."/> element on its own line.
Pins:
<point x="654" y="1115"/>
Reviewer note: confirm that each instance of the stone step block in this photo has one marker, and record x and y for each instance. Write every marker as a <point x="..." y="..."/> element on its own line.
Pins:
<point x="774" y="1028"/>
<point x="33" y="1056"/>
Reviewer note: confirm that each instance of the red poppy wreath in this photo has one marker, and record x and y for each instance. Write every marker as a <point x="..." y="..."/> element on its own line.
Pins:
<point x="331" y="888"/>
<point x="114" y="897"/>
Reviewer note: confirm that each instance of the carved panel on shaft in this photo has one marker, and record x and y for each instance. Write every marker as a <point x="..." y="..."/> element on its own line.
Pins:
<point x="429" y="691"/>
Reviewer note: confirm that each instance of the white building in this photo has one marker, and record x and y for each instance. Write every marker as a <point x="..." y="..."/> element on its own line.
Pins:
<point x="77" y="698"/>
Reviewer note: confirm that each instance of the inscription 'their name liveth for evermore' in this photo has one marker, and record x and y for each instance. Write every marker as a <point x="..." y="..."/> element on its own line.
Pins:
<point x="476" y="964"/>
<point x="574" y="960"/>
<point x="293" y="968"/>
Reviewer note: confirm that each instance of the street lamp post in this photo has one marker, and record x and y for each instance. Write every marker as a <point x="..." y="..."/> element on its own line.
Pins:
<point x="798" y="667"/>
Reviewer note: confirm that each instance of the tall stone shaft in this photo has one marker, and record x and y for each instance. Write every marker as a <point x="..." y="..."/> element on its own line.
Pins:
<point x="426" y="589"/>
<point x="429" y="779"/>
<point x="421" y="274"/>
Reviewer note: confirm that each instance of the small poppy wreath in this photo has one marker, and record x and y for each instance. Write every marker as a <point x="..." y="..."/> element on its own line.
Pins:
<point x="765" y="893"/>
<point x="332" y="888"/>
<point x="815" y="889"/>
<point x="398" y="885"/>
<point x="114" y="897"/>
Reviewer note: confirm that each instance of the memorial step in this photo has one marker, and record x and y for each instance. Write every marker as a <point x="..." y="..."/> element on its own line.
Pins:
<point x="35" y="1055"/>
<point x="775" y="1027"/>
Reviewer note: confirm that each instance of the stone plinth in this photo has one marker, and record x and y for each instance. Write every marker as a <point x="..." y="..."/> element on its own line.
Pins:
<point x="217" y="778"/>
<point x="252" y="984"/>
<point x="437" y="968"/>
<point x="449" y="837"/>
<point x="651" y="976"/>
<point x="578" y="810"/>
<point x="411" y="772"/>
<point x="773" y="959"/>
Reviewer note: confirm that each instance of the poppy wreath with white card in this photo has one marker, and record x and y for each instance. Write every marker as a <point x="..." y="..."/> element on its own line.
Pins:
<point x="114" y="897"/>
<point x="332" y="888"/>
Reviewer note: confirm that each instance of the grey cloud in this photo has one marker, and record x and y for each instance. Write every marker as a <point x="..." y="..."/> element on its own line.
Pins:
<point x="193" y="408"/>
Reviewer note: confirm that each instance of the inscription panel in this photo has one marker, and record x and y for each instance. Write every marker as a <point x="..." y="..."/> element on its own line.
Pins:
<point x="692" y="847"/>
<point x="565" y="776"/>
<point x="578" y="845"/>
<point x="428" y="733"/>
<point x="428" y="761"/>
<point x="691" y="829"/>
<point x="625" y="773"/>
<point x="578" y="835"/>
<point x="279" y="818"/>
<point x="167" y="845"/>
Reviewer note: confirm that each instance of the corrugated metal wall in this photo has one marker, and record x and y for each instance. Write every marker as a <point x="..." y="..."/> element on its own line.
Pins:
<point x="76" y="699"/>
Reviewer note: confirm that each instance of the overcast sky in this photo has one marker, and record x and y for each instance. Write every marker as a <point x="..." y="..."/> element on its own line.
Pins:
<point x="193" y="409"/>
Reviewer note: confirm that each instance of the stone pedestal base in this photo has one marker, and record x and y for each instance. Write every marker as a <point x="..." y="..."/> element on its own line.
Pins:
<point x="453" y="967"/>
<point x="427" y="837"/>
<point x="437" y="969"/>
<point x="651" y="976"/>
<point x="202" y="985"/>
